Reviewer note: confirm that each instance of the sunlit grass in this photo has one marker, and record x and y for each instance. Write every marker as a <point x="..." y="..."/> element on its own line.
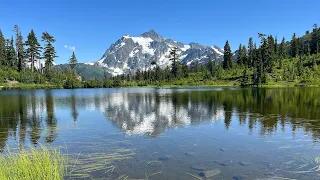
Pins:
<point x="32" y="164"/>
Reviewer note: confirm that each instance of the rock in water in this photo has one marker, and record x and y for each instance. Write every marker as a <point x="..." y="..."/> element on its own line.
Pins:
<point x="239" y="177"/>
<point x="209" y="174"/>
<point x="244" y="163"/>
<point x="224" y="163"/>
<point x="199" y="167"/>
<point x="190" y="154"/>
<point x="164" y="158"/>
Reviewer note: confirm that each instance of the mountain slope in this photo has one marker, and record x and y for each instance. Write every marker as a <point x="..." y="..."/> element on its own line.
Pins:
<point x="84" y="70"/>
<point x="132" y="53"/>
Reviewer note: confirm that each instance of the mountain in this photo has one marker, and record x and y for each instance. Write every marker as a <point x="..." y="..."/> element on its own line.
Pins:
<point x="84" y="70"/>
<point x="131" y="53"/>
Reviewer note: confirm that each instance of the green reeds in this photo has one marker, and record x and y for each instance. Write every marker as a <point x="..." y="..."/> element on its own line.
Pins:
<point x="32" y="164"/>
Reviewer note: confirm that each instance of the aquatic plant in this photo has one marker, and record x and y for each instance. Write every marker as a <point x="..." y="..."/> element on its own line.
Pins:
<point x="82" y="165"/>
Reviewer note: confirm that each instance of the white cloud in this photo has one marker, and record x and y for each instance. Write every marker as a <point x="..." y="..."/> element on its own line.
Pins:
<point x="71" y="48"/>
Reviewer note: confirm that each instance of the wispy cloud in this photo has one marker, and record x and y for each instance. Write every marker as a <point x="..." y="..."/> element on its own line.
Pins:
<point x="71" y="48"/>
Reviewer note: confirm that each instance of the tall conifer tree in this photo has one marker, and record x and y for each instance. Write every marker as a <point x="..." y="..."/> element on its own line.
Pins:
<point x="49" y="52"/>
<point x="33" y="49"/>
<point x="73" y="62"/>
<point x="2" y="49"/>
<point x="11" y="58"/>
<point x="19" y="48"/>
<point x="227" y="58"/>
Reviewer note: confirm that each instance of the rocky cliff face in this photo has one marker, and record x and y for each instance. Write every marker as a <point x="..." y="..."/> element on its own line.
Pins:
<point x="132" y="53"/>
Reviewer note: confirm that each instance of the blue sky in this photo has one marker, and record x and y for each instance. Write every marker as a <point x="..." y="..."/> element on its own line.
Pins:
<point x="91" y="26"/>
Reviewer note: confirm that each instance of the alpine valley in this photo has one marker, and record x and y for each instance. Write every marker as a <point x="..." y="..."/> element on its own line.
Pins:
<point x="130" y="53"/>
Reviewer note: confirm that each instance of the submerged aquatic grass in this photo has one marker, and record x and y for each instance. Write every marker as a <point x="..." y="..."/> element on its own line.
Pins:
<point x="83" y="165"/>
<point x="32" y="164"/>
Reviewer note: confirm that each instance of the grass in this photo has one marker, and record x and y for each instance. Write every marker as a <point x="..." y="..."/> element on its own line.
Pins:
<point x="24" y="86"/>
<point x="32" y="164"/>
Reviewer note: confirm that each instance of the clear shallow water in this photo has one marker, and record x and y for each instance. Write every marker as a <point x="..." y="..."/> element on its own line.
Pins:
<point x="151" y="133"/>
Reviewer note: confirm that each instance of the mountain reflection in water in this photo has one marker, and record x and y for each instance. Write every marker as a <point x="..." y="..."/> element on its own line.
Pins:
<point x="27" y="114"/>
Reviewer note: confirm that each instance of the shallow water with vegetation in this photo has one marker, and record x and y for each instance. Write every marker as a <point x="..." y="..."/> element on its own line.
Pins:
<point x="165" y="133"/>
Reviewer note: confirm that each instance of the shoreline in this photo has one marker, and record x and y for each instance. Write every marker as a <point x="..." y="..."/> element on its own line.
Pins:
<point x="51" y="86"/>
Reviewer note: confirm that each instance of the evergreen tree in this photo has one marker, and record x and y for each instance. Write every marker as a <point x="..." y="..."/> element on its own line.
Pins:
<point x="19" y="48"/>
<point x="174" y="57"/>
<point x="294" y="46"/>
<point x="227" y="58"/>
<point x="2" y="49"/>
<point x="255" y="64"/>
<point x="303" y="47"/>
<point x="315" y="39"/>
<point x="300" y="67"/>
<point x="49" y="52"/>
<point x="239" y="58"/>
<point x="271" y="44"/>
<point x="215" y="68"/>
<point x="210" y="66"/>
<point x="244" y="56"/>
<point x="11" y="59"/>
<point x="245" y="80"/>
<point x="33" y="49"/>
<point x="259" y="68"/>
<point x="272" y="51"/>
<point x="276" y="50"/>
<point x="138" y="75"/>
<point x="282" y="50"/>
<point x="266" y="56"/>
<point x="196" y="66"/>
<point x="73" y="62"/>
<point x="185" y="70"/>
<point x="250" y="52"/>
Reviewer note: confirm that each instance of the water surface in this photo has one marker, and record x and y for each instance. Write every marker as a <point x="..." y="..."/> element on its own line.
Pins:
<point x="184" y="133"/>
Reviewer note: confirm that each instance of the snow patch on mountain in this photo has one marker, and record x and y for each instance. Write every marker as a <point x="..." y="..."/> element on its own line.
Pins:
<point x="145" y="43"/>
<point x="185" y="48"/>
<point x="217" y="50"/>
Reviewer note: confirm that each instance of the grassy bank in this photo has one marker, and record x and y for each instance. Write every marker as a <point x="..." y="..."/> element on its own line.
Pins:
<point x="25" y="86"/>
<point x="174" y="83"/>
<point x="32" y="164"/>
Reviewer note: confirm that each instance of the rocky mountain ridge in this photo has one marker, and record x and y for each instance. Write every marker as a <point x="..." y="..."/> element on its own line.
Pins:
<point x="130" y="53"/>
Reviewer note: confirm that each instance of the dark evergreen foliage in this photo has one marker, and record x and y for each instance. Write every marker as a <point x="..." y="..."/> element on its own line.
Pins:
<point x="227" y="58"/>
<point x="33" y="50"/>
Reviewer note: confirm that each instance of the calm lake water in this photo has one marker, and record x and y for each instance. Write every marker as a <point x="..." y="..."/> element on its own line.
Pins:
<point x="185" y="133"/>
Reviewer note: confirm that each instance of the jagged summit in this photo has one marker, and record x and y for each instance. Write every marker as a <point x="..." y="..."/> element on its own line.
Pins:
<point x="153" y="35"/>
<point x="130" y="53"/>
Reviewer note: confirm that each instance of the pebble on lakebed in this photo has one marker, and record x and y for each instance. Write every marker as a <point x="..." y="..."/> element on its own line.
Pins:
<point x="190" y="154"/>
<point x="241" y="177"/>
<point x="199" y="167"/>
<point x="244" y="163"/>
<point x="224" y="163"/>
<point x="164" y="158"/>
<point x="209" y="174"/>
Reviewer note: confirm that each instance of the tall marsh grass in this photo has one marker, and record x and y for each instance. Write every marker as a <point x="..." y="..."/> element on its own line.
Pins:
<point x="33" y="164"/>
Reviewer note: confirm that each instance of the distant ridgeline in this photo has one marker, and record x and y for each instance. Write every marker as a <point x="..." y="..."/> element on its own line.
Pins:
<point x="84" y="70"/>
<point x="268" y="62"/>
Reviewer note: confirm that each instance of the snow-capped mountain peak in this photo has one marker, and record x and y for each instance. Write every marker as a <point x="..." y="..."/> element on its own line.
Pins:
<point x="130" y="53"/>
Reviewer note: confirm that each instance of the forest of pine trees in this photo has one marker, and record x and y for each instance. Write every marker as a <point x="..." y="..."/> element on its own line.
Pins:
<point x="29" y="63"/>
<point x="266" y="62"/>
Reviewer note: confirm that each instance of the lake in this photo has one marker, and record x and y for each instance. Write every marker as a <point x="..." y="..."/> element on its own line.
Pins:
<point x="165" y="133"/>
